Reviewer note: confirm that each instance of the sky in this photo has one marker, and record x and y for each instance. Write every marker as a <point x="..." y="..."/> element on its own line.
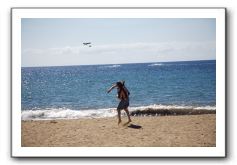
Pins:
<point x="59" y="41"/>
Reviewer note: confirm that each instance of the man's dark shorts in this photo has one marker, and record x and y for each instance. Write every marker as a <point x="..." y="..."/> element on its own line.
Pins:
<point x="123" y="104"/>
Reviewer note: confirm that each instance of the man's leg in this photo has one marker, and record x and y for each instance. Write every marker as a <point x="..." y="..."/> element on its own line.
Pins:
<point x="119" y="116"/>
<point x="126" y="110"/>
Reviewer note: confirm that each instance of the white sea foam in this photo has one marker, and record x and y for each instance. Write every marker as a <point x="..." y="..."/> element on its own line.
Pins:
<point x="205" y="107"/>
<point x="43" y="114"/>
<point x="160" y="107"/>
<point x="50" y="114"/>
<point x="156" y="64"/>
<point x="111" y="66"/>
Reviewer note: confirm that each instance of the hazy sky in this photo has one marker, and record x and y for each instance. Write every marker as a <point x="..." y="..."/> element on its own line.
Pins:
<point x="56" y="42"/>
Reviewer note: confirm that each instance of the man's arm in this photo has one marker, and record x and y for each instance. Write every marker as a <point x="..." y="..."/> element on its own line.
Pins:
<point x="111" y="88"/>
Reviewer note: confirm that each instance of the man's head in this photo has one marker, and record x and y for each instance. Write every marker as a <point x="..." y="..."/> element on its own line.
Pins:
<point x="119" y="84"/>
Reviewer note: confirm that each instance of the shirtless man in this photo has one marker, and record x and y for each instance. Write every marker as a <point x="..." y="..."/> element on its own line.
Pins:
<point x="123" y="96"/>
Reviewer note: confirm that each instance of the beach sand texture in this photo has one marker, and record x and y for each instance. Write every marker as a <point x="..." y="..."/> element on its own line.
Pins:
<point x="162" y="131"/>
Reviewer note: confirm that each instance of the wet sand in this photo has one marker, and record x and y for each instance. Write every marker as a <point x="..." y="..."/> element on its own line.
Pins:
<point x="160" y="131"/>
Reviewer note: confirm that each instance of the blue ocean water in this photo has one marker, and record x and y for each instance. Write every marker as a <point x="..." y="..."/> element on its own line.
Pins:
<point x="77" y="91"/>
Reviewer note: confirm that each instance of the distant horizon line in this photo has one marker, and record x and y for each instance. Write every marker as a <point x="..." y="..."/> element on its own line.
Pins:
<point x="113" y="63"/>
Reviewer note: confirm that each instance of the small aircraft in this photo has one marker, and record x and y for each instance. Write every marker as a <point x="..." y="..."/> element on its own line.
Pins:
<point x="86" y="43"/>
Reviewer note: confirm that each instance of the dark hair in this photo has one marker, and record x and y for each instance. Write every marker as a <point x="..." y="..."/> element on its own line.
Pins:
<point x="119" y="84"/>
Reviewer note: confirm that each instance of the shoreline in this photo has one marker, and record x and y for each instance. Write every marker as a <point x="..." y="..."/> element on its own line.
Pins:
<point x="55" y="114"/>
<point x="148" y="131"/>
<point x="171" y="112"/>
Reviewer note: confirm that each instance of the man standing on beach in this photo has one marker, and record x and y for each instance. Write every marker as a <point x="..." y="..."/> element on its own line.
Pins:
<point x="123" y="96"/>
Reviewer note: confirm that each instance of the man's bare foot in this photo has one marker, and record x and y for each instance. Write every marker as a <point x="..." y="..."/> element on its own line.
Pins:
<point x="129" y="120"/>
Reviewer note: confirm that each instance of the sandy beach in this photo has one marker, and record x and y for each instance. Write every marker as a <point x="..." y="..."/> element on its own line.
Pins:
<point x="162" y="131"/>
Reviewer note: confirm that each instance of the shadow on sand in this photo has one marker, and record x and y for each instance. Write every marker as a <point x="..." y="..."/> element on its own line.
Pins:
<point x="134" y="126"/>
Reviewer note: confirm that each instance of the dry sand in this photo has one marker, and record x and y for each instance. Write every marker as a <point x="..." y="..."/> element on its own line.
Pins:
<point x="163" y="131"/>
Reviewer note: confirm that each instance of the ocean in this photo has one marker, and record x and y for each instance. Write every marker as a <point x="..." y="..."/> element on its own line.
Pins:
<point x="72" y="92"/>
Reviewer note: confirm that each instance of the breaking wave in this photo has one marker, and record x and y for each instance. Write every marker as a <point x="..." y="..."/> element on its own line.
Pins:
<point x="111" y="66"/>
<point x="153" y="110"/>
<point x="156" y="64"/>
